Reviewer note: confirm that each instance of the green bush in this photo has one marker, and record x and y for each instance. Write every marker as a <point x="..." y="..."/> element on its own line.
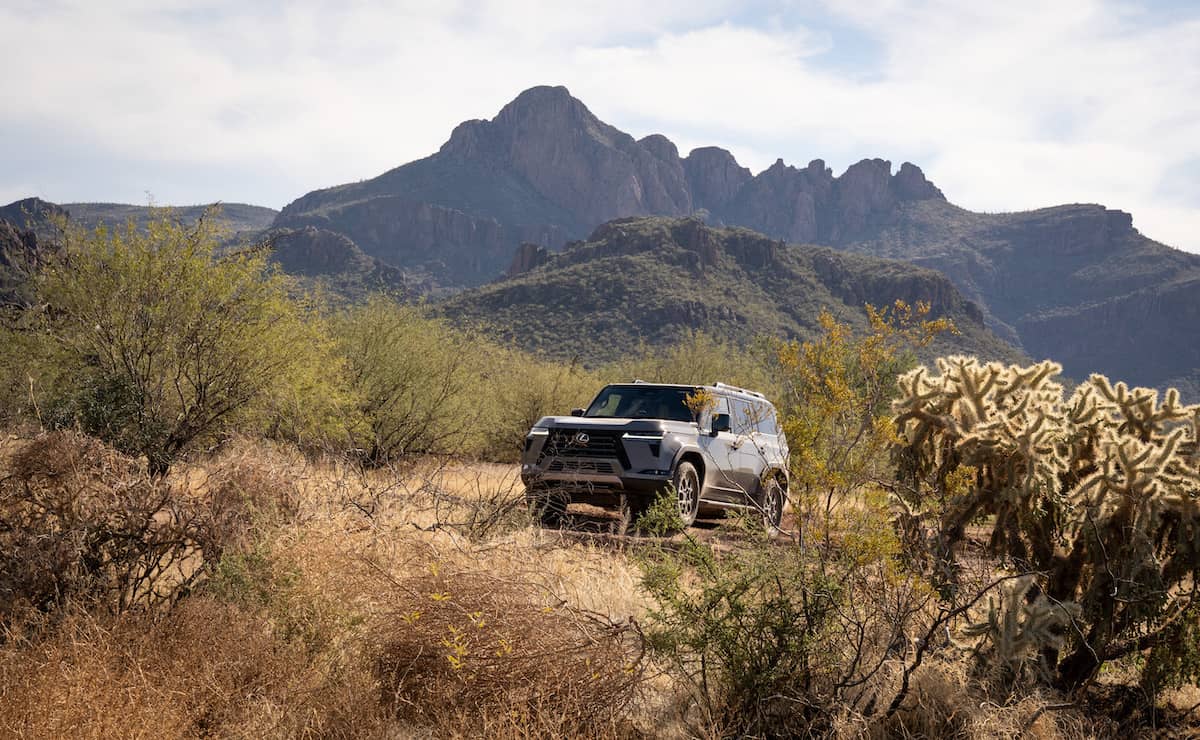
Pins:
<point x="410" y="379"/>
<point x="158" y="341"/>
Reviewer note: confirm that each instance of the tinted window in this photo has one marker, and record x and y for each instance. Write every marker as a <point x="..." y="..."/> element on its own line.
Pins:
<point x="766" y="420"/>
<point x="742" y="416"/>
<point x="641" y="402"/>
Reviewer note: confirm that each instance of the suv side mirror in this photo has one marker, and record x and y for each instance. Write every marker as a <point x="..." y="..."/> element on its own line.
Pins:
<point x="576" y="412"/>
<point x="720" y="424"/>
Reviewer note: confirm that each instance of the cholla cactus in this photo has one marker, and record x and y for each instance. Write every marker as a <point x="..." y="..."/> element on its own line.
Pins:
<point x="1021" y="629"/>
<point x="1098" y="491"/>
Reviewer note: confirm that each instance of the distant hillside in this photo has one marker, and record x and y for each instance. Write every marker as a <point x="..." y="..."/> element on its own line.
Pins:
<point x="648" y="280"/>
<point x="239" y="218"/>
<point x="1076" y="283"/>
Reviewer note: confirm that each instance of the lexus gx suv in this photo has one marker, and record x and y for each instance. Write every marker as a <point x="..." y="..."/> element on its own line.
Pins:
<point x="710" y="447"/>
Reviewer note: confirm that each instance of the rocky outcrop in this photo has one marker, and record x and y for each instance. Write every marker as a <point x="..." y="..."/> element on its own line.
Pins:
<point x="448" y="244"/>
<point x="910" y="184"/>
<point x="714" y="177"/>
<point x="33" y="214"/>
<point x="325" y="255"/>
<point x="575" y="160"/>
<point x="528" y="257"/>
<point x="786" y="202"/>
<point x="1143" y="338"/>
<point x="812" y="206"/>
<point x="312" y="252"/>
<point x="20" y="257"/>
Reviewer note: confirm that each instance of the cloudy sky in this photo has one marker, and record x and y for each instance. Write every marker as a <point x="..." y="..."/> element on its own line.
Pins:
<point x="1006" y="106"/>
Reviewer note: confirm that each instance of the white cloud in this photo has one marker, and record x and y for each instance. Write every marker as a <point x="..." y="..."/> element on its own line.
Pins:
<point x="1005" y="106"/>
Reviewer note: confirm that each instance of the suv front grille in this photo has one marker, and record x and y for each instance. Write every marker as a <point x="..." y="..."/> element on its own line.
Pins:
<point x="570" y="443"/>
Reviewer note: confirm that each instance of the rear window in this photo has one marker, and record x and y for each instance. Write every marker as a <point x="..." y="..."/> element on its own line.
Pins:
<point x="641" y="402"/>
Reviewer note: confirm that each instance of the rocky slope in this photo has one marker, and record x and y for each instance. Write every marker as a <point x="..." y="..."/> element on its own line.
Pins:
<point x="545" y="170"/>
<point x="647" y="280"/>
<point x="319" y="257"/>
<point x="20" y="255"/>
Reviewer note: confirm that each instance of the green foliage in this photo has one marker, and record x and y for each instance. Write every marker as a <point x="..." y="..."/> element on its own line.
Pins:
<point x="778" y="640"/>
<point x="409" y="377"/>
<point x="161" y="341"/>
<point x="1096" y="492"/>
<point x="697" y="357"/>
<point x="836" y="391"/>
<point x="514" y="390"/>
<point x="1175" y="659"/>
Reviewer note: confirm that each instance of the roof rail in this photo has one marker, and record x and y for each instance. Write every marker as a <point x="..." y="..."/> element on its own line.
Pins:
<point x="735" y="389"/>
<point x="638" y="381"/>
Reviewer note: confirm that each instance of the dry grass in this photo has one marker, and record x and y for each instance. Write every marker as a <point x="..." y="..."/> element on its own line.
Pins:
<point x="306" y="626"/>
<point x="207" y="668"/>
<point x="461" y="650"/>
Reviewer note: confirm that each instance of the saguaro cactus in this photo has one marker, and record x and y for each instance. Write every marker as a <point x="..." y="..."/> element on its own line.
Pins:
<point x="1097" y="493"/>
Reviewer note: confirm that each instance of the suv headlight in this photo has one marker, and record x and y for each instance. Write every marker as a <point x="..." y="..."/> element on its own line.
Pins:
<point x="539" y="432"/>
<point x="643" y="436"/>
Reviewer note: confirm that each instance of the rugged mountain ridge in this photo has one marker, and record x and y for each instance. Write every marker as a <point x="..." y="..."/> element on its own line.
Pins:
<point x="546" y="170"/>
<point x="647" y="280"/>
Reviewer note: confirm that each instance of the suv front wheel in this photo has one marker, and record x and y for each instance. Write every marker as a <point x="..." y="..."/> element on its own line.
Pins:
<point x="686" y="483"/>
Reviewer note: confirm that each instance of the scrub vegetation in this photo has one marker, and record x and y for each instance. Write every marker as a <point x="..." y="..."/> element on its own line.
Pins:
<point x="231" y="508"/>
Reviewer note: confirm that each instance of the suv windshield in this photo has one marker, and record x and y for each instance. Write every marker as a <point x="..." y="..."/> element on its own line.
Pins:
<point x="641" y="402"/>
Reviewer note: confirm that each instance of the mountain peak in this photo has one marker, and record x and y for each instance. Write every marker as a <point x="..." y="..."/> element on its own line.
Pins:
<point x="910" y="183"/>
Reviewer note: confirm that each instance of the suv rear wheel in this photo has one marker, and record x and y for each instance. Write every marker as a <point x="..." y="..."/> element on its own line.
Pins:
<point x="771" y="505"/>
<point x="686" y="483"/>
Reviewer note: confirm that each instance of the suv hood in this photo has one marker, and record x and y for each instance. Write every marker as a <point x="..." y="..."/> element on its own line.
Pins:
<point x="615" y="424"/>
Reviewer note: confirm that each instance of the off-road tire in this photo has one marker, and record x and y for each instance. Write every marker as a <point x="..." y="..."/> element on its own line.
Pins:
<point x="770" y="504"/>
<point x="685" y="484"/>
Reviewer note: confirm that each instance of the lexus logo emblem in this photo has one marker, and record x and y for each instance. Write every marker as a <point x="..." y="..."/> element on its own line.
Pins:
<point x="581" y="439"/>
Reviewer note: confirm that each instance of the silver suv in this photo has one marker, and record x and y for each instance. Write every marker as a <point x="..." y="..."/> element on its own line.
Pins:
<point x="712" y="447"/>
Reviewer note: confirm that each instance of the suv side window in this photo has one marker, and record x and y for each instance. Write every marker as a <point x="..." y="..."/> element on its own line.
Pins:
<point x="767" y="423"/>
<point x="741" y="416"/>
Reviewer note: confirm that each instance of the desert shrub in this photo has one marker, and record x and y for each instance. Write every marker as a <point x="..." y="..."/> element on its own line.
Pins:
<point x="80" y="521"/>
<point x="162" y="341"/>
<point x="515" y="390"/>
<point x="777" y="639"/>
<point x="697" y="357"/>
<point x="242" y="497"/>
<point x="834" y="403"/>
<point x="409" y="376"/>
<point x="471" y="654"/>
<point x="1095" y="495"/>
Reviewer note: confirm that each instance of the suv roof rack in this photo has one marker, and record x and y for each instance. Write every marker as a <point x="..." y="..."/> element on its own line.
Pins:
<point x="735" y="389"/>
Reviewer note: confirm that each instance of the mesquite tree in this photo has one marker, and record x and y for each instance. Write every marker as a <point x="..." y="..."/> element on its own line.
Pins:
<point x="1096" y="494"/>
